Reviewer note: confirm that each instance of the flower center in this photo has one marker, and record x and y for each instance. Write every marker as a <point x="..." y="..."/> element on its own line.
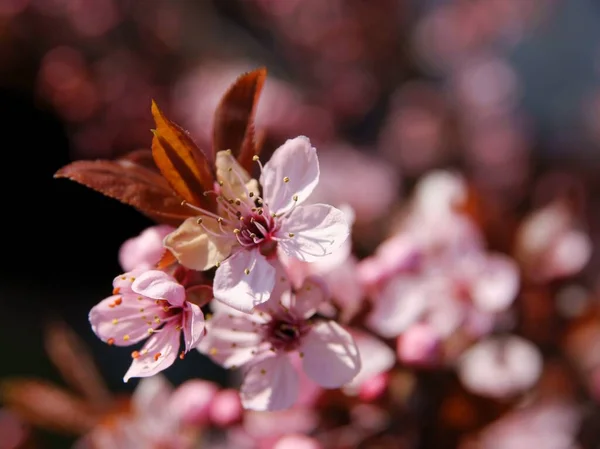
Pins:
<point x="285" y="333"/>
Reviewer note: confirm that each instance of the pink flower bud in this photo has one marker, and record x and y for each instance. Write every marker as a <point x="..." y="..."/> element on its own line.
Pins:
<point x="192" y="401"/>
<point x="226" y="408"/>
<point x="296" y="441"/>
<point x="374" y="387"/>
<point x="144" y="250"/>
<point x="419" y="345"/>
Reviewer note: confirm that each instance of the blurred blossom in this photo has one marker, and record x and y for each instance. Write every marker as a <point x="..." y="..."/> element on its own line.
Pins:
<point x="93" y="18"/>
<point x="439" y="275"/>
<point x="414" y="134"/>
<point x="500" y="366"/>
<point x="9" y="8"/>
<point x="376" y="358"/>
<point x="192" y="401"/>
<point x="547" y="424"/>
<point x="149" y="424"/>
<point x="226" y="408"/>
<point x="374" y="187"/>
<point x="65" y="80"/>
<point x="550" y="244"/>
<point x="14" y="432"/>
<point x="297" y="442"/>
<point x="419" y="345"/>
<point x="144" y="251"/>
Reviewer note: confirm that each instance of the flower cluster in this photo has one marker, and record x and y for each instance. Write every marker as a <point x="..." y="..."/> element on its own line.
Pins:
<point x="319" y="307"/>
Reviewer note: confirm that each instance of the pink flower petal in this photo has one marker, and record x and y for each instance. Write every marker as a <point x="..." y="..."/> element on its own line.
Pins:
<point x="240" y="290"/>
<point x="191" y="401"/>
<point x="193" y="325"/>
<point x="118" y="319"/>
<point x="151" y="394"/>
<point x="419" y="345"/>
<point x="297" y="442"/>
<point x="157" y="284"/>
<point x="144" y="250"/>
<point x="330" y="356"/>
<point x="231" y="339"/>
<point x="402" y="302"/>
<point x="375" y="358"/>
<point x="157" y="354"/>
<point x="295" y="161"/>
<point x="500" y="366"/>
<point x="497" y="283"/>
<point x="271" y="384"/>
<point x="226" y="408"/>
<point x="313" y="231"/>
<point x="307" y="299"/>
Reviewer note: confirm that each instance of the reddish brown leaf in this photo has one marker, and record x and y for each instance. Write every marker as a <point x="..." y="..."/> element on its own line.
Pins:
<point x="73" y="360"/>
<point x="44" y="405"/>
<point x="131" y="184"/>
<point x="141" y="157"/>
<point x="234" y="118"/>
<point x="180" y="161"/>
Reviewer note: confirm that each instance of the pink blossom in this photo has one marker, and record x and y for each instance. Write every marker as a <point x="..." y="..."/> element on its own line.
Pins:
<point x="148" y="424"/>
<point x="144" y="251"/>
<point x="376" y="358"/>
<point x="226" y="409"/>
<point x="263" y="343"/>
<point x="550" y="245"/>
<point x="548" y="424"/>
<point x="500" y="366"/>
<point x="148" y="305"/>
<point x="297" y="442"/>
<point x="191" y="401"/>
<point x="14" y="432"/>
<point x="250" y="230"/>
<point x="419" y="345"/>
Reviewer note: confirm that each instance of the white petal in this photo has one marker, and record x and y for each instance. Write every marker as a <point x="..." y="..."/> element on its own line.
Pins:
<point x="295" y="161"/>
<point x="313" y="231"/>
<point x="330" y="356"/>
<point x="240" y="290"/>
<point x="152" y="393"/>
<point x="271" y="384"/>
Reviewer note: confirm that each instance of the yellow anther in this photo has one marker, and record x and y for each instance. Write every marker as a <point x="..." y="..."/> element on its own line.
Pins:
<point x="291" y="234"/>
<point x="286" y="179"/>
<point x="199" y="220"/>
<point x="221" y="183"/>
<point x="251" y="194"/>
<point x="263" y="371"/>
<point x="150" y="331"/>
<point x="236" y="231"/>
<point x="237" y="202"/>
<point x="246" y="270"/>
<point x="213" y="351"/>
<point x="295" y="197"/>
<point x="115" y="321"/>
<point x="218" y="264"/>
<point x="255" y="158"/>
<point x="219" y="220"/>
<point x="126" y="337"/>
<point x="301" y="354"/>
